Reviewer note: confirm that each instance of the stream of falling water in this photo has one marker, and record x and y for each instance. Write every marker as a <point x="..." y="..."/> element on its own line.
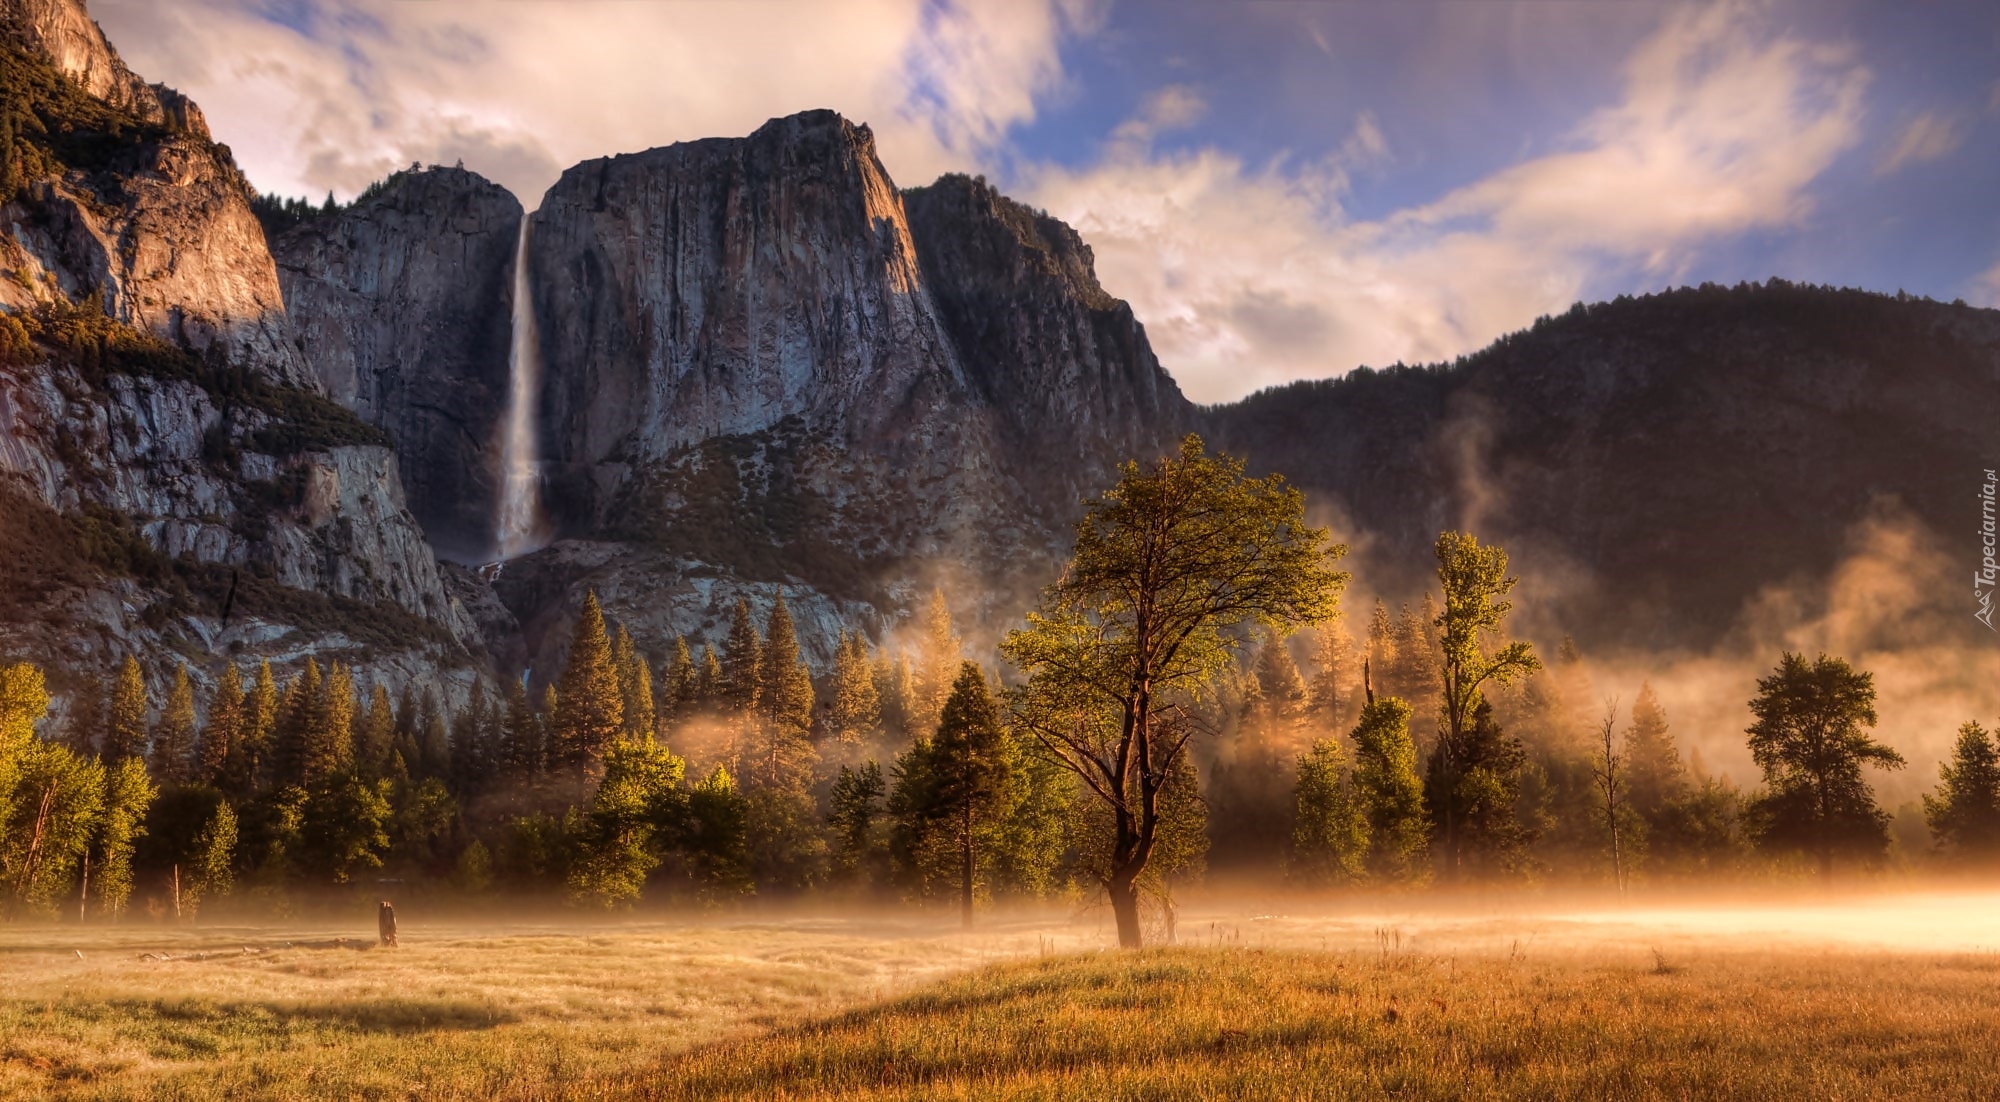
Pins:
<point x="521" y="527"/>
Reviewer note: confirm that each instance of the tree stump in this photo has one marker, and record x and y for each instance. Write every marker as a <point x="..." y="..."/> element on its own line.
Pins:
<point x="385" y="921"/>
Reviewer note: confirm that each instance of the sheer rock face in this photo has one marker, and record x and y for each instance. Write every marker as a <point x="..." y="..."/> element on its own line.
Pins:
<point x="173" y="247"/>
<point x="1065" y="366"/>
<point x="403" y="303"/>
<point x="724" y="287"/>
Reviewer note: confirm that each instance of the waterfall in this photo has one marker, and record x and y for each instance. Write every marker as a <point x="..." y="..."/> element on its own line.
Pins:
<point x="521" y="527"/>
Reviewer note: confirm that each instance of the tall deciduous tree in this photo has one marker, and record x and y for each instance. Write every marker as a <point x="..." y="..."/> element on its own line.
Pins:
<point x="1809" y="740"/>
<point x="1964" y="812"/>
<point x="1166" y="562"/>
<point x="590" y="710"/>
<point x="1475" y="584"/>
<point x="1330" y="823"/>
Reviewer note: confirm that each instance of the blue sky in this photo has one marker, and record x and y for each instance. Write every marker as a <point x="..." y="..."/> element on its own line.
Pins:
<point x="1282" y="189"/>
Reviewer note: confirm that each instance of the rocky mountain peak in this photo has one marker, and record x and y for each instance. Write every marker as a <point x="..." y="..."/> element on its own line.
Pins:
<point x="64" y="32"/>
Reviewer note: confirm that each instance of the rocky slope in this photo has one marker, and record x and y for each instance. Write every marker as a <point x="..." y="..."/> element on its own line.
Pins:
<point x="173" y="481"/>
<point x="403" y="300"/>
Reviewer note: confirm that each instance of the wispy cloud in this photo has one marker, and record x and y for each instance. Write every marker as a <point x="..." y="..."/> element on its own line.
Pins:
<point x="1926" y="137"/>
<point x="1251" y="274"/>
<point x="340" y="92"/>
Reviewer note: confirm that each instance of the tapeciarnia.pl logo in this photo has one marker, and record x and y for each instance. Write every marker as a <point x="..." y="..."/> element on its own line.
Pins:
<point x="1984" y="577"/>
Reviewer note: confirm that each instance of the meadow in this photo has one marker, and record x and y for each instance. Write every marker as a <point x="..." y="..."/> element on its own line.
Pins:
<point x="1878" y="996"/>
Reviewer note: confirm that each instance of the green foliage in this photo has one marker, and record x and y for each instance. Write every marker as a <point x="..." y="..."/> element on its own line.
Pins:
<point x="345" y="827"/>
<point x="1389" y="792"/>
<point x="854" y="712"/>
<point x="1964" y="813"/>
<point x="223" y="734"/>
<point x="125" y="736"/>
<point x="742" y="661"/>
<point x="1472" y="790"/>
<point x="638" y="805"/>
<point x="969" y="774"/>
<point x="855" y="816"/>
<point x="1474" y="772"/>
<point x="1808" y="739"/>
<point x="127" y="795"/>
<point x="1330" y="834"/>
<point x="590" y="710"/>
<point x="785" y="695"/>
<point x="211" y="870"/>
<point x="715" y="842"/>
<point x="1167" y="563"/>
<point x="635" y="687"/>
<point x="173" y="735"/>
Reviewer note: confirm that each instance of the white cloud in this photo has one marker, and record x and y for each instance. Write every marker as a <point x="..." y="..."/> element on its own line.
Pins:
<point x="1926" y="137"/>
<point x="1248" y="275"/>
<point x="1985" y="288"/>
<point x="522" y="90"/>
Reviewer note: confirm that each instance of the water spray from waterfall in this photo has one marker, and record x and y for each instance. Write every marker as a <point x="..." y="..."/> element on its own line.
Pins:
<point x="521" y="528"/>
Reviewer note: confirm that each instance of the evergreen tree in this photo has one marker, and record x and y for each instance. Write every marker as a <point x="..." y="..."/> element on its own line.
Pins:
<point x="344" y="827"/>
<point x="635" y="687"/>
<point x="742" y="663"/>
<point x="786" y="696"/>
<point x="896" y="696"/>
<point x="638" y="799"/>
<point x="968" y="773"/>
<point x="711" y="681"/>
<point x="682" y="685"/>
<point x="523" y="740"/>
<point x="303" y="727"/>
<point x="937" y="666"/>
<point x="1327" y="692"/>
<point x="920" y="854"/>
<point x="590" y="710"/>
<point x="715" y="841"/>
<point x="855" y="711"/>
<point x="1964" y="812"/>
<point x="222" y="736"/>
<point x="1281" y="692"/>
<point x="1808" y="740"/>
<point x="375" y="737"/>
<point x="471" y="745"/>
<point x="173" y="735"/>
<point x="1389" y="791"/>
<point x="433" y="738"/>
<point x="1655" y="779"/>
<point x="125" y="731"/>
<point x="1473" y="783"/>
<point x="546" y="723"/>
<point x="1381" y="652"/>
<point x="1027" y="847"/>
<point x="249" y="768"/>
<point x="331" y="748"/>
<point x="1330" y="831"/>
<point x="860" y="851"/>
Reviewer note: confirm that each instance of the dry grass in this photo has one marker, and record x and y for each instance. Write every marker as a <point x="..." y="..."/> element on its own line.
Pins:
<point x="1522" y="1005"/>
<point x="1271" y="1024"/>
<point x="455" y="1012"/>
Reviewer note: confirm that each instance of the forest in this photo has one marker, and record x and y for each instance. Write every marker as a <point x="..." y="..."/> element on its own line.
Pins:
<point x="1150" y="723"/>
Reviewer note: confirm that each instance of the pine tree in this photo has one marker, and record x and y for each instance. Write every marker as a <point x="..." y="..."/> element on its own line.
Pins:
<point x="968" y="773"/>
<point x="303" y="726"/>
<point x="249" y="767"/>
<point x="1330" y="828"/>
<point x="635" y="687"/>
<point x="1473" y="782"/>
<point x="590" y="710"/>
<point x="786" y="696"/>
<point x="470" y="745"/>
<point x="1326" y="693"/>
<point x="375" y="737"/>
<point x="522" y="755"/>
<point x="742" y="663"/>
<point x="681" y="685"/>
<point x="433" y="738"/>
<point x="855" y="817"/>
<point x="710" y="681"/>
<point x="211" y="872"/>
<point x="1654" y="778"/>
<point x="173" y="735"/>
<point x="1964" y="812"/>
<point x="855" y="712"/>
<point x="223" y="734"/>
<point x="937" y="666"/>
<point x="1388" y="789"/>
<point x="125" y="731"/>
<point x="332" y="745"/>
<point x="1281" y="691"/>
<point x="1381" y="652"/>
<point x="896" y="697"/>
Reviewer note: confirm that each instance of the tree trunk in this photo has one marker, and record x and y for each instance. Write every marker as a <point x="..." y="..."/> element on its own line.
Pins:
<point x="1124" y="895"/>
<point x="965" y="887"/>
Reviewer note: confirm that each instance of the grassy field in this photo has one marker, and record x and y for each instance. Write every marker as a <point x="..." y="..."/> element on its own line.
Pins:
<point x="1856" y="999"/>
